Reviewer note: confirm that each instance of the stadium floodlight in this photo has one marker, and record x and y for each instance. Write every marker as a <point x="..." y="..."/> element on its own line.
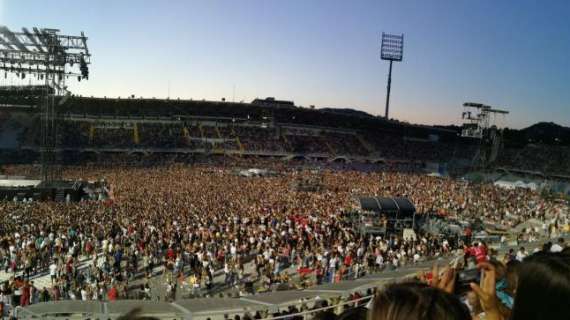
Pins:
<point x="392" y="49"/>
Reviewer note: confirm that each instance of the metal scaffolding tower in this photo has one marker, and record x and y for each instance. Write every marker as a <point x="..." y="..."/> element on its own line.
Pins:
<point x="51" y="58"/>
<point x="480" y="122"/>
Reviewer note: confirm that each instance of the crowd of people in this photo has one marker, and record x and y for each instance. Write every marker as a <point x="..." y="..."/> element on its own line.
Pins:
<point x="532" y="288"/>
<point x="202" y="221"/>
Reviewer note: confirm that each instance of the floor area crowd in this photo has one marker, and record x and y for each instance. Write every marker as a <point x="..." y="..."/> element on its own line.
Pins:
<point x="204" y="225"/>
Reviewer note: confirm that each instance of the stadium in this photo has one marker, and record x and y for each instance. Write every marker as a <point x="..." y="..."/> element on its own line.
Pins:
<point x="134" y="207"/>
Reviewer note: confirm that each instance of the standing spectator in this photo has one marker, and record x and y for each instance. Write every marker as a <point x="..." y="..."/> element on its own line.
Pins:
<point x="521" y="254"/>
<point x="53" y="271"/>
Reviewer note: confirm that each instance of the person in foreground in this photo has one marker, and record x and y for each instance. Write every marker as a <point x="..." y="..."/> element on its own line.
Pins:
<point x="417" y="301"/>
<point x="542" y="291"/>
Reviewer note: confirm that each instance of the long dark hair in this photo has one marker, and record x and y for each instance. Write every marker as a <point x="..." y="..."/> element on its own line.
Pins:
<point x="543" y="290"/>
<point x="411" y="301"/>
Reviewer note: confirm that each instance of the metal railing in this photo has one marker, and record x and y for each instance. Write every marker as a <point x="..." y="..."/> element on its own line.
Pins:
<point x="304" y="314"/>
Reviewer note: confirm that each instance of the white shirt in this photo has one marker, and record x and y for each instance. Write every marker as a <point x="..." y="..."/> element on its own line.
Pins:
<point x="556" y="248"/>
<point x="416" y="257"/>
<point x="332" y="263"/>
<point x="52" y="269"/>
<point x="520" y="255"/>
<point x="101" y="262"/>
<point x="84" y="296"/>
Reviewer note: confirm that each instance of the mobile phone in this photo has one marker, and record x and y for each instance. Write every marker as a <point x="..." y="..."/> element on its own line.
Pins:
<point x="464" y="278"/>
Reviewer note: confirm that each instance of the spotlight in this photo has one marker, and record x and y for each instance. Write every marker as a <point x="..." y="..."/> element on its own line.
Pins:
<point x="83" y="67"/>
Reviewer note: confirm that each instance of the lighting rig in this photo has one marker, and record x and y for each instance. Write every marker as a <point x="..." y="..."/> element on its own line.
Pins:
<point x="46" y="57"/>
<point x="481" y="122"/>
<point x="479" y="118"/>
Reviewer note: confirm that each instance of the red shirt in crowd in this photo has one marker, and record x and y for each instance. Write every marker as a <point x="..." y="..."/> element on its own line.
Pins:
<point x="348" y="260"/>
<point x="479" y="252"/>
<point x="25" y="297"/>
<point x="112" y="294"/>
<point x="170" y="255"/>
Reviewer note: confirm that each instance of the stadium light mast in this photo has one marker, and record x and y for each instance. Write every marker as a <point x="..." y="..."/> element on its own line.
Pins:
<point x="392" y="49"/>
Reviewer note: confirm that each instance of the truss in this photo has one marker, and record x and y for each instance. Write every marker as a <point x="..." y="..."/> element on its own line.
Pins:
<point x="51" y="57"/>
<point x="478" y="118"/>
<point x="43" y="52"/>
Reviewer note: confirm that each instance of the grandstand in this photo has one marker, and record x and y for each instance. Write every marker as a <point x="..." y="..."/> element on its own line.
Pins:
<point x="148" y="126"/>
<point x="22" y="96"/>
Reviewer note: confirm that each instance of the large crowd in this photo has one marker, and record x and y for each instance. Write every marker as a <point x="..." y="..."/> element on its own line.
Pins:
<point x="200" y="221"/>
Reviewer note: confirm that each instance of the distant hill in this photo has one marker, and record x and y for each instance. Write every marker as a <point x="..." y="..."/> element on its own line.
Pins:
<point x="548" y="132"/>
<point x="546" y="128"/>
<point x="542" y="132"/>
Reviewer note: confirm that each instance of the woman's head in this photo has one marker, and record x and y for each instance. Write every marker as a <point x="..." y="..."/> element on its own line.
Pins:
<point x="543" y="287"/>
<point x="412" y="301"/>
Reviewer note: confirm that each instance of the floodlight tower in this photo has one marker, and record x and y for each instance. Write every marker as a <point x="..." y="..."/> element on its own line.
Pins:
<point x="392" y="49"/>
<point x="52" y="57"/>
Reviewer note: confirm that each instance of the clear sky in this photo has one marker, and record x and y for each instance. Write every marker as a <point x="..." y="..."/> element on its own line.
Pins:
<point x="510" y="54"/>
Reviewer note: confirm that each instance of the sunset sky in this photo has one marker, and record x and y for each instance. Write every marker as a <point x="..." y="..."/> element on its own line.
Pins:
<point x="510" y="54"/>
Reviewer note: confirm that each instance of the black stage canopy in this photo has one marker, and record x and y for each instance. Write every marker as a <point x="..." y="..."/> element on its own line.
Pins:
<point x="401" y="207"/>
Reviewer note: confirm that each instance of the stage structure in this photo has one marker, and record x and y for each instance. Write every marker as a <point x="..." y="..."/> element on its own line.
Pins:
<point x="482" y="122"/>
<point x="392" y="49"/>
<point x="382" y="215"/>
<point x="47" y="59"/>
<point x="309" y="180"/>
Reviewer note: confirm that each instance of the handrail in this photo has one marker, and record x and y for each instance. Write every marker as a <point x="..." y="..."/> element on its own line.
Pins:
<point x="320" y="309"/>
